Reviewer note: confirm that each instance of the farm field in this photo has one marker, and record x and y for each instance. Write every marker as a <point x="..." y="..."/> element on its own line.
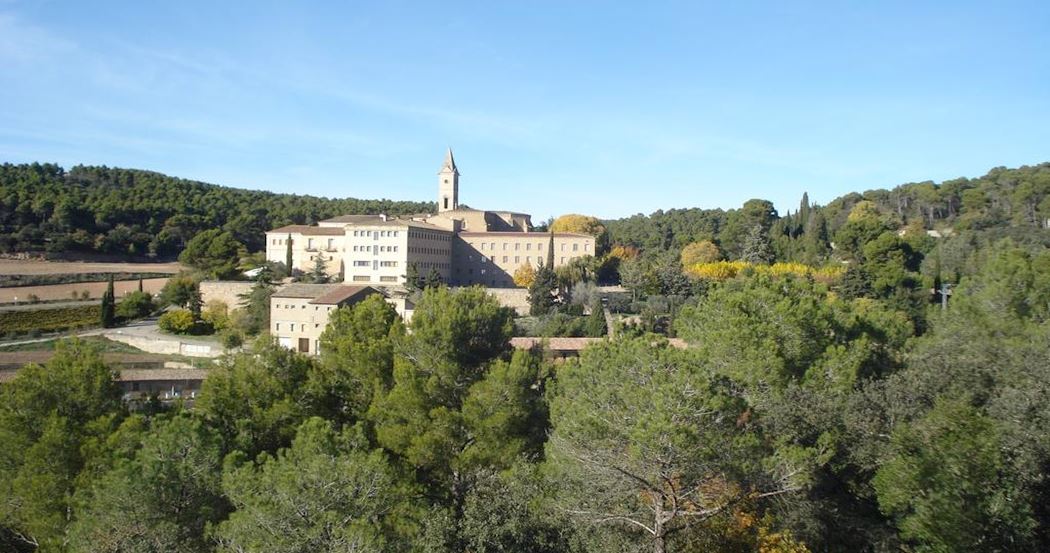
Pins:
<point x="65" y="291"/>
<point x="38" y="267"/>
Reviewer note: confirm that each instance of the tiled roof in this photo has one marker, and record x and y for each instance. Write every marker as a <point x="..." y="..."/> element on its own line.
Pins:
<point x="310" y="230"/>
<point x="140" y="375"/>
<point x="530" y="235"/>
<point x="137" y="375"/>
<point x="15" y="359"/>
<point x="308" y="291"/>
<point x="343" y="293"/>
<point x="352" y="219"/>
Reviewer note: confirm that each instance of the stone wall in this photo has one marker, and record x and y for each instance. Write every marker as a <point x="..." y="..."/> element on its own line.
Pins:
<point x="226" y="291"/>
<point x="514" y="298"/>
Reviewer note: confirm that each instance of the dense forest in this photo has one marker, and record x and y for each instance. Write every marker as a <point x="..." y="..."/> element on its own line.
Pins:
<point x="831" y="396"/>
<point x="127" y="212"/>
<point x="796" y="420"/>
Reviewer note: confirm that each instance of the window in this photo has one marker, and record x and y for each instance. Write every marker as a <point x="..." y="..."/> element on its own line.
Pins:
<point x="504" y="259"/>
<point x="361" y="278"/>
<point x="575" y="247"/>
<point x="483" y="245"/>
<point x="361" y="263"/>
<point x="528" y="247"/>
<point x="516" y="260"/>
<point x="517" y="246"/>
<point x="504" y="246"/>
<point x="563" y="247"/>
<point x="562" y="261"/>
<point x="492" y="246"/>
<point x="387" y="279"/>
<point x="539" y="246"/>
<point x="586" y="247"/>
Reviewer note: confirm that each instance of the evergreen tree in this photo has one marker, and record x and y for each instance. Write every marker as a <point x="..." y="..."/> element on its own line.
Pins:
<point x="550" y="252"/>
<point x="433" y="279"/>
<point x="803" y="211"/>
<point x="257" y="306"/>
<point x="542" y="292"/>
<point x="109" y="305"/>
<point x="756" y="247"/>
<point x="319" y="272"/>
<point x="196" y="303"/>
<point x="412" y="279"/>
<point x="596" y="326"/>
<point x="288" y="254"/>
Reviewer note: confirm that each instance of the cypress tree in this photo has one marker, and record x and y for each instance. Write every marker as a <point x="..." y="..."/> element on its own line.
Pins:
<point x="109" y="305"/>
<point x="196" y="303"/>
<point x="803" y="211"/>
<point x="550" y="252"/>
<point x="288" y="254"/>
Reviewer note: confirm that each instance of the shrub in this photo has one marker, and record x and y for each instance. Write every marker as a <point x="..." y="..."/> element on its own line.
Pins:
<point x="217" y="314"/>
<point x="232" y="339"/>
<point x="177" y="321"/>
<point x="135" y="305"/>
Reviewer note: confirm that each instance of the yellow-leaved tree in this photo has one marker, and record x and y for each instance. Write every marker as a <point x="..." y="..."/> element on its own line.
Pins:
<point x="583" y="224"/>
<point x="704" y="251"/>
<point x="524" y="276"/>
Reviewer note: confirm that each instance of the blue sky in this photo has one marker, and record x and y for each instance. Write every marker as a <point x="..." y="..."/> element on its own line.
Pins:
<point x="614" y="108"/>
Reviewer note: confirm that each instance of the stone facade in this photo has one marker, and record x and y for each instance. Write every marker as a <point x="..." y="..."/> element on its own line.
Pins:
<point x="490" y="258"/>
<point x="226" y="291"/>
<point x="464" y="246"/>
<point x="299" y="312"/>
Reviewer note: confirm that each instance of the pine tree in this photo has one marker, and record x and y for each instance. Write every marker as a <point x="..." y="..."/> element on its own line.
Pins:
<point x="433" y="279"/>
<point x="756" y="247"/>
<point x="109" y="306"/>
<point x="288" y="255"/>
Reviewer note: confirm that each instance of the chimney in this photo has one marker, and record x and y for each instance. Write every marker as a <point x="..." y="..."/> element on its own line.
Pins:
<point x="382" y="217"/>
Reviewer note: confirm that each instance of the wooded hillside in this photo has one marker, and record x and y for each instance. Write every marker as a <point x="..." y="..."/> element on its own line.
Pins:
<point x="131" y="212"/>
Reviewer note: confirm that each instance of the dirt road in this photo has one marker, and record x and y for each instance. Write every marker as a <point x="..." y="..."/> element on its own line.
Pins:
<point x="36" y="267"/>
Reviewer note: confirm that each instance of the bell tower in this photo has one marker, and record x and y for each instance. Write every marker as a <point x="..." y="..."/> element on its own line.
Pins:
<point x="448" y="184"/>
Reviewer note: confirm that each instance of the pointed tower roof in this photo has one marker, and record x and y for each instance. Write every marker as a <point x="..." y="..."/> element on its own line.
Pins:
<point x="450" y="163"/>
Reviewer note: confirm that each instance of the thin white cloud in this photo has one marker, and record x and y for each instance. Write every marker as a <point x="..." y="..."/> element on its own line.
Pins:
<point x="22" y="42"/>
